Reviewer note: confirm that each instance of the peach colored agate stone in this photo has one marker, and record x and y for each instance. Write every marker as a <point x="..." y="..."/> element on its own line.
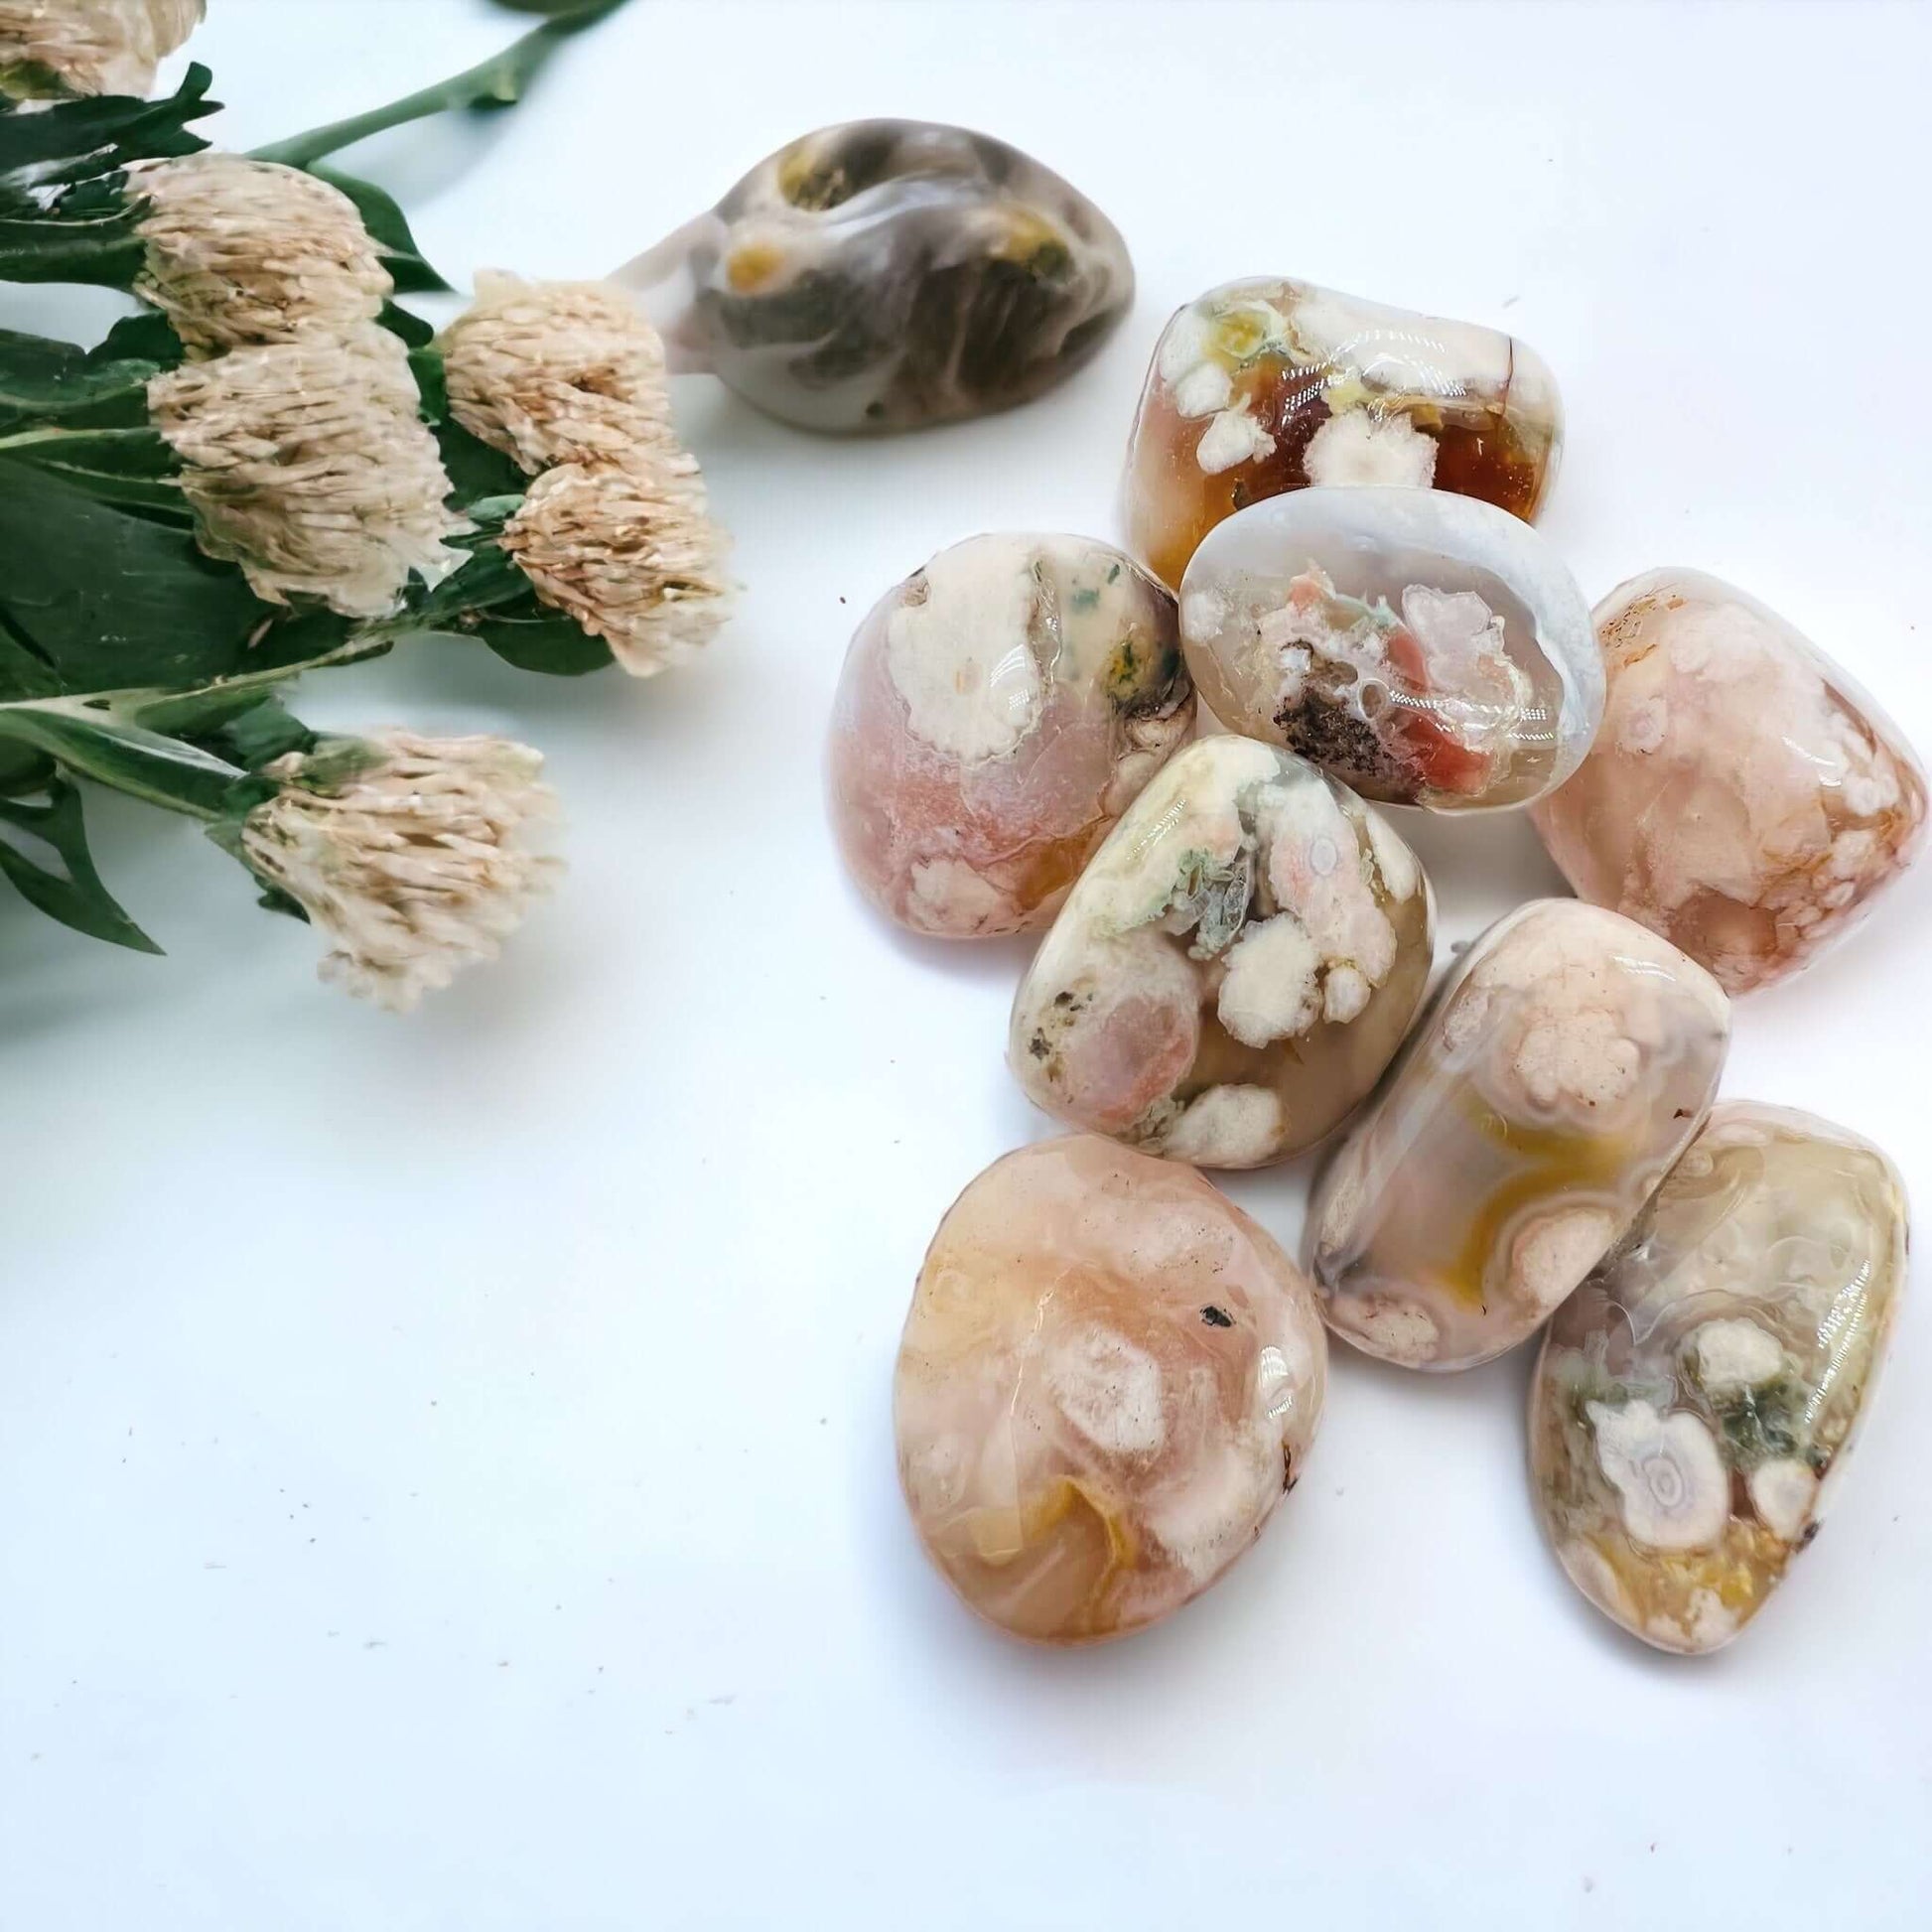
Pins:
<point x="1563" y="1067"/>
<point x="1108" y="1379"/>
<point x="997" y="711"/>
<point x="1744" y="798"/>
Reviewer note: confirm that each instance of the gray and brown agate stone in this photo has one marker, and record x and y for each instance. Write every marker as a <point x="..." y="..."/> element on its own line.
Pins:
<point x="887" y="275"/>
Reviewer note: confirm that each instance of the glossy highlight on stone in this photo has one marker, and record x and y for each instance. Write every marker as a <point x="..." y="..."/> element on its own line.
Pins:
<point x="1426" y="649"/>
<point x="1269" y="386"/>
<point x="1233" y="970"/>
<point x="1566" y="1064"/>
<point x="886" y="275"/>
<point x="1744" y="799"/>
<point x="1697" y="1398"/>
<point x="1108" y="1379"/>
<point x="997" y="713"/>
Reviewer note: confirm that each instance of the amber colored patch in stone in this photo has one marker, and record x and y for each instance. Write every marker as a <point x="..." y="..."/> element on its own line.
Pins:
<point x="750" y="267"/>
<point x="1562" y="1162"/>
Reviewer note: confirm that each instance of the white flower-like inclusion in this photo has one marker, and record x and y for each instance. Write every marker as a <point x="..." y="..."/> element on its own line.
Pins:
<point x="1670" y="1478"/>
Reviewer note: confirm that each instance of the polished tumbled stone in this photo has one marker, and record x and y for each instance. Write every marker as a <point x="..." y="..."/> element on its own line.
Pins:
<point x="1108" y="1379"/>
<point x="885" y="275"/>
<point x="1426" y="649"/>
<point x="1697" y="1398"/>
<point x="1234" y="969"/>
<point x="1744" y="797"/>
<point x="997" y="711"/>
<point x="1270" y="386"/>
<point x="1565" y="1067"/>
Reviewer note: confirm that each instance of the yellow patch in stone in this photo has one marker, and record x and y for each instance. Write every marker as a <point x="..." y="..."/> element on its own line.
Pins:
<point x="753" y="265"/>
<point x="1027" y="237"/>
<point x="1241" y="334"/>
<point x="1559" y="1163"/>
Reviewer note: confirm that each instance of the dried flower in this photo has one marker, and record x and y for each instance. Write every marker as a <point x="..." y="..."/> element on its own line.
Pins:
<point x="628" y="550"/>
<point x="409" y="853"/>
<point x="89" y="47"/>
<point x="308" y="465"/>
<point x="243" y="251"/>
<point x="555" y="372"/>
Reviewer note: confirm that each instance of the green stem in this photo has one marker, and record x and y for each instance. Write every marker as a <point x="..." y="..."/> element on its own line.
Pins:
<point x="496" y="82"/>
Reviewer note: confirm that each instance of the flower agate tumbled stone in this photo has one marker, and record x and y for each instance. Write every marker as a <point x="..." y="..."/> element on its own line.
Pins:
<point x="883" y="275"/>
<point x="997" y="711"/>
<point x="1425" y="648"/>
<point x="1108" y="1378"/>
<point x="1566" y="1064"/>
<point x="1235" y="967"/>
<point x="1698" y="1394"/>
<point x="1744" y="797"/>
<point x="1267" y="386"/>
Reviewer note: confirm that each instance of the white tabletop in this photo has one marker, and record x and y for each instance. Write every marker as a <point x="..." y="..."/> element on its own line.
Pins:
<point x="445" y="1476"/>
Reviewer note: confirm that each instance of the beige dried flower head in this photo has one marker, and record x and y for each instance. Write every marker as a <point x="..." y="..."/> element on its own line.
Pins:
<point x="89" y="47"/>
<point x="412" y="855"/>
<point x="243" y="251"/>
<point x="555" y="372"/>
<point x="629" y="551"/>
<point x="307" y="463"/>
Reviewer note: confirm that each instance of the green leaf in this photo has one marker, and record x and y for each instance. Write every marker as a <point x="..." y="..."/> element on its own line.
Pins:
<point x="111" y="599"/>
<point x="73" y="141"/>
<point x="388" y="229"/>
<point x="550" y="643"/>
<point x="267" y="731"/>
<point x="104" y="387"/>
<point x="131" y="758"/>
<point x="75" y="897"/>
<point x="479" y="472"/>
<point x="595" y="9"/>
<point x="490" y="598"/>
<point x="105" y="253"/>
<point x="432" y="383"/>
<point x="89" y="232"/>
<point x="24" y="673"/>
<point x="134" y="468"/>
<point x="414" y="333"/>
<point x="143" y="337"/>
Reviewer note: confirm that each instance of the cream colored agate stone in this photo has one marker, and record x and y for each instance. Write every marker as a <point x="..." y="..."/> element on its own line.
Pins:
<point x="1108" y="1379"/>
<point x="997" y="711"/>
<point x="1566" y="1064"/>
<point x="1234" y="969"/>
<point x="1269" y="386"/>
<point x="1697" y="1396"/>
<point x="885" y="275"/>
<point x="1426" y="649"/>
<point x="1744" y="797"/>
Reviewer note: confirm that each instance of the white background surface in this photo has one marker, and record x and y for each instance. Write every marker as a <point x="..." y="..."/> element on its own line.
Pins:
<point x="445" y="1476"/>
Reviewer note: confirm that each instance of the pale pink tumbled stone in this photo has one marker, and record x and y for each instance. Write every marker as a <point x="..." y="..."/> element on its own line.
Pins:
<point x="1744" y="798"/>
<point x="997" y="711"/>
<point x="1109" y="1378"/>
